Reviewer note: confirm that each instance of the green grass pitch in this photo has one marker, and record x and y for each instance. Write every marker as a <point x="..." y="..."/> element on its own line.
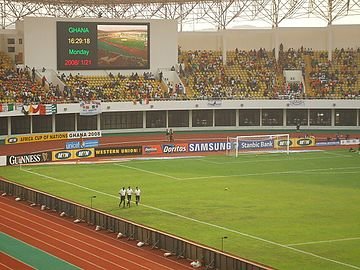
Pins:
<point x="107" y="47"/>
<point x="297" y="211"/>
<point x="131" y="42"/>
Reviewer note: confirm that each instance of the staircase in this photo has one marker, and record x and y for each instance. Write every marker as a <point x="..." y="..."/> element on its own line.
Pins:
<point x="309" y="92"/>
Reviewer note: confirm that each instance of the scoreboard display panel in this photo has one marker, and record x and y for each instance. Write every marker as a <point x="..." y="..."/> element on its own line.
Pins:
<point x="95" y="45"/>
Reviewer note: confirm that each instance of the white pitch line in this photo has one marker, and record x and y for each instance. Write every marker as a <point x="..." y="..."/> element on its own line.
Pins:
<point x="331" y="172"/>
<point x="236" y="175"/>
<point x="150" y="172"/>
<point x="336" y="154"/>
<point x="266" y="173"/>
<point x="69" y="183"/>
<point x="269" y="160"/>
<point x="324" y="241"/>
<point x="206" y="223"/>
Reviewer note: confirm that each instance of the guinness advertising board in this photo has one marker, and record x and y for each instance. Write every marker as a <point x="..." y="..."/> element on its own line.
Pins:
<point x="28" y="158"/>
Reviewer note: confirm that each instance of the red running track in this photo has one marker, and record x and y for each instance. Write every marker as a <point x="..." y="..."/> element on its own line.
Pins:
<point x="8" y="262"/>
<point x="79" y="244"/>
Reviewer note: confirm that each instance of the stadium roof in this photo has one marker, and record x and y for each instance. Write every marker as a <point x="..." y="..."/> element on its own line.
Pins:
<point x="191" y="15"/>
<point x="110" y="2"/>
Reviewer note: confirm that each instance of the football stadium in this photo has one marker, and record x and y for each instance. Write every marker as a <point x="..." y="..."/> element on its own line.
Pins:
<point x="180" y="134"/>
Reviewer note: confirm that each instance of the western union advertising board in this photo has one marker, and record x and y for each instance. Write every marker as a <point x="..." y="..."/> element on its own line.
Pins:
<point x="118" y="151"/>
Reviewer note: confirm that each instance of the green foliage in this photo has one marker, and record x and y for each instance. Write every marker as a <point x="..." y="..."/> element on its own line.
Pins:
<point x="264" y="204"/>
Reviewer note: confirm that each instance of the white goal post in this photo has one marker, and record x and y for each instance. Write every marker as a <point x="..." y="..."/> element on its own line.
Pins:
<point x="273" y="143"/>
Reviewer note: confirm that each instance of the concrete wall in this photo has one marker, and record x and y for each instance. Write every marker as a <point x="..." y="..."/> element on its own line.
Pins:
<point x="17" y="35"/>
<point x="317" y="38"/>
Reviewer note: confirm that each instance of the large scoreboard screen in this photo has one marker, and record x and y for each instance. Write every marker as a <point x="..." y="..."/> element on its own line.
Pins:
<point x="94" y="45"/>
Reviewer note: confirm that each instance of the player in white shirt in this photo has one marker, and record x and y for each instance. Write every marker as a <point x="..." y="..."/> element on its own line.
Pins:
<point x="122" y="193"/>
<point x="129" y="192"/>
<point x="137" y="195"/>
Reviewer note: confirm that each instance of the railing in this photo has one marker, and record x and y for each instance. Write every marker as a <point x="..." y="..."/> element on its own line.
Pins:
<point x="212" y="258"/>
<point x="209" y="98"/>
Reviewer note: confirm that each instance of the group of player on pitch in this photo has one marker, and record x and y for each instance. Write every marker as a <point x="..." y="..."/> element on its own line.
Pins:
<point x="128" y="193"/>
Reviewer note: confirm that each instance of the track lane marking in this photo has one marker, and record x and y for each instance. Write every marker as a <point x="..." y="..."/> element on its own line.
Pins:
<point x="63" y="243"/>
<point x="45" y="243"/>
<point x="73" y="238"/>
<point x="110" y="245"/>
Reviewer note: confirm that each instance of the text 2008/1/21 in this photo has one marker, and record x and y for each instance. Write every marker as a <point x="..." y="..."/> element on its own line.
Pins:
<point x="77" y="62"/>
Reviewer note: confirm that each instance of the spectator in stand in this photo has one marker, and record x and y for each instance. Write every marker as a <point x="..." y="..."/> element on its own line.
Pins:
<point x="33" y="74"/>
<point x="43" y="81"/>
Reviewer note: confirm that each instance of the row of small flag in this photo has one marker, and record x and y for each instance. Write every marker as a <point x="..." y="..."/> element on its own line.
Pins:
<point x="9" y="107"/>
<point x="92" y="107"/>
<point x="38" y="109"/>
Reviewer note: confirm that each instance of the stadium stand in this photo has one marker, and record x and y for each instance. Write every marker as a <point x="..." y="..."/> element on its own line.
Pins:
<point x="17" y="85"/>
<point x="253" y="74"/>
<point x="256" y="74"/>
<point x="338" y="78"/>
<point x="139" y="88"/>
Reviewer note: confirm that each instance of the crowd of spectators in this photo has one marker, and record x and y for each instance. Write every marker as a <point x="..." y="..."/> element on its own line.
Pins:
<point x="336" y="78"/>
<point x="135" y="87"/>
<point x="292" y="90"/>
<point x="246" y="74"/>
<point x="17" y="85"/>
<point x="254" y="74"/>
<point x="293" y="59"/>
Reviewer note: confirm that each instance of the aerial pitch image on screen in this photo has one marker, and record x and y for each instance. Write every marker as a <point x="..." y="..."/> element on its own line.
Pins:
<point x="124" y="46"/>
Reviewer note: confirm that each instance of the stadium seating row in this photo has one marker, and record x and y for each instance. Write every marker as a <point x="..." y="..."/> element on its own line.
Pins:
<point x="254" y="74"/>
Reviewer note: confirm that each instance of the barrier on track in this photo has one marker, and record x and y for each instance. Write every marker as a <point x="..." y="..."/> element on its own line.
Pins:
<point x="212" y="258"/>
